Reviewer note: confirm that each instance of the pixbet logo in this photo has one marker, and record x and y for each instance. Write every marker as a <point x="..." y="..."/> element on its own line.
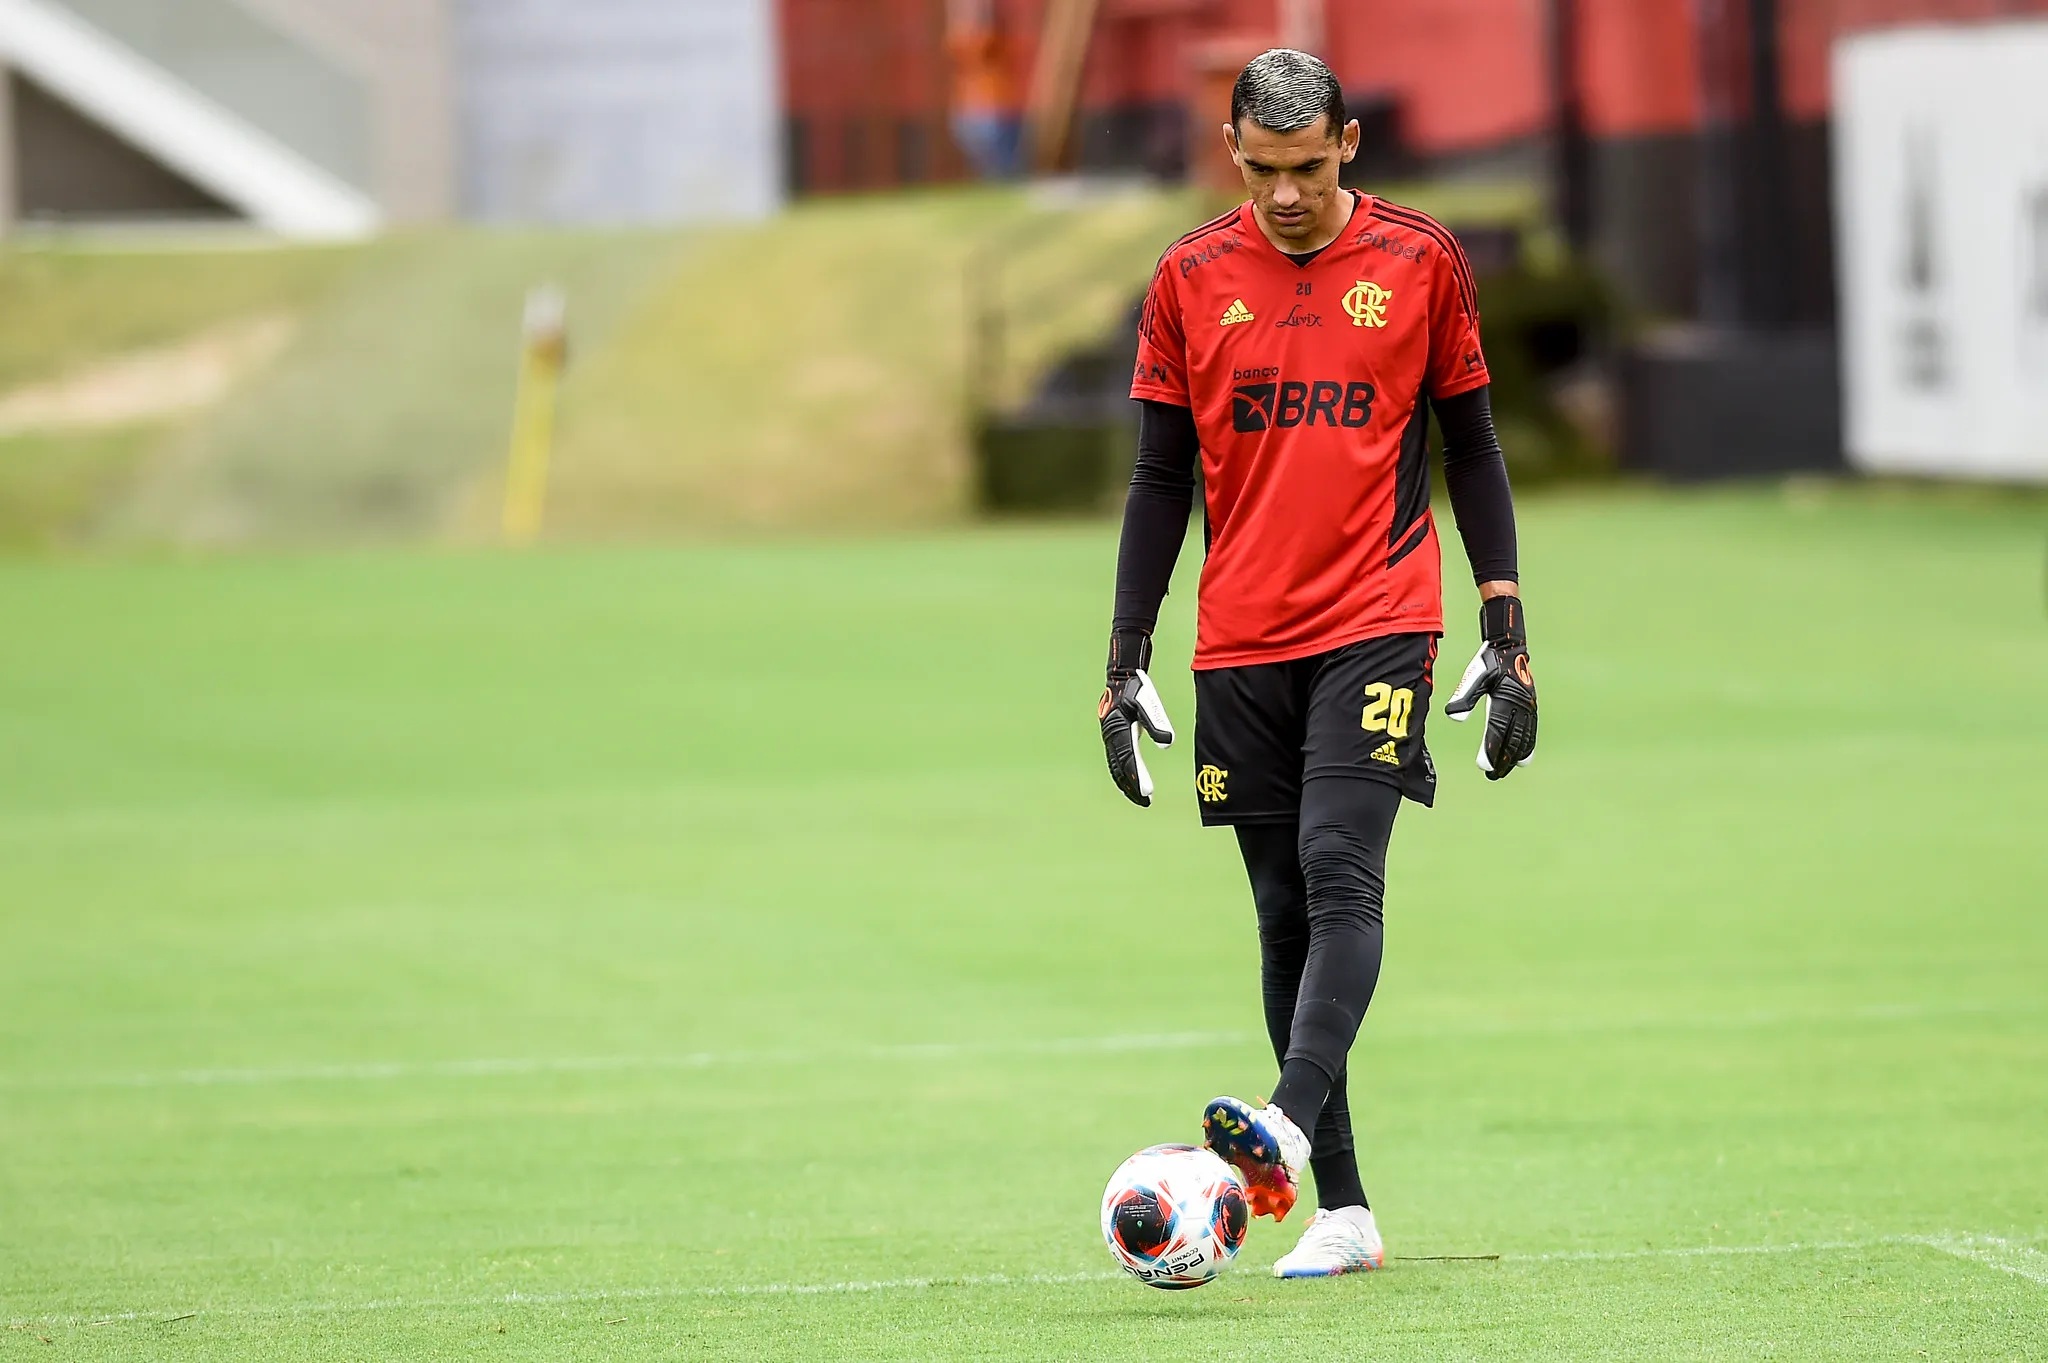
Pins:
<point x="1215" y="250"/>
<point x="1288" y="403"/>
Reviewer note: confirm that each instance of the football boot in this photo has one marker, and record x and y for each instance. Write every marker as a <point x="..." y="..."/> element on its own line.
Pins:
<point x="1346" y="1241"/>
<point x="1265" y="1146"/>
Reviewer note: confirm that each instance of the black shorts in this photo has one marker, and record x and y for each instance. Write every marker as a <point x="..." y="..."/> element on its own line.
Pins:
<point x="1357" y="711"/>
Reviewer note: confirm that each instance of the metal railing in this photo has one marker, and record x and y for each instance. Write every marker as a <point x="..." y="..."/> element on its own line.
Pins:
<point x="300" y="97"/>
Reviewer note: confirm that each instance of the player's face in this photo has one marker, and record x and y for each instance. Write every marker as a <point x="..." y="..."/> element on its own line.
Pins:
<point x="1293" y="176"/>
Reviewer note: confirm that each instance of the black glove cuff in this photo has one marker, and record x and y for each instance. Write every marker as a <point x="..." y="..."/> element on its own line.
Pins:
<point x="1502" y="624"/>
<point x="1130" y="650"/>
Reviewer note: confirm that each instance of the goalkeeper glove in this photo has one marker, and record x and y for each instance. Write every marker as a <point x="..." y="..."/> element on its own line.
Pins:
<point x="1500" y="675"/>
<point x="1130" y="702"/>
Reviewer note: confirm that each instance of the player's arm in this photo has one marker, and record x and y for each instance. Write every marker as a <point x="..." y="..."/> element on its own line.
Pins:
<point x="1155" y="524"/>
<point x="1476" y="474"/>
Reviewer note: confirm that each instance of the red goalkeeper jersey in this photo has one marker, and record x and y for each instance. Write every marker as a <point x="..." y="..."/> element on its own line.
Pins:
<point x="1309" y="386"/>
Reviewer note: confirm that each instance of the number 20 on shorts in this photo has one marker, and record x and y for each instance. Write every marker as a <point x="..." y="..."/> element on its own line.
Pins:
<point x="1387" y="709"/>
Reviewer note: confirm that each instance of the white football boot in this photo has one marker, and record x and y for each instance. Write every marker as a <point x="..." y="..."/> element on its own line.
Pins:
<point x="1346" y="1241"/>
<point x="1267" y="1148"/>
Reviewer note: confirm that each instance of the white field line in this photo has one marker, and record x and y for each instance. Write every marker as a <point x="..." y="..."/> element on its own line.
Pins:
<point x="491" y="1067"/>
<point x="598" y="1064"/>
<point x="2003" y="1255"/>
<point x="1988" y="1250"/>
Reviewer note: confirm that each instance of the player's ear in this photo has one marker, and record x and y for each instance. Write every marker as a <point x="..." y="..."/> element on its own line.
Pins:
<point x="1348" y="140"/>
<point x="1230" y="141"/>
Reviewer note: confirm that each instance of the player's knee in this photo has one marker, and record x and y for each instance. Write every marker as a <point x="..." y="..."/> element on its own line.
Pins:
<point x="1345" y="872"/>
<point x="1272" y="862"/>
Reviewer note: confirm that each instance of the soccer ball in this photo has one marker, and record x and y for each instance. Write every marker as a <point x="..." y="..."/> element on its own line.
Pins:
<point x="1174" y="1215"/>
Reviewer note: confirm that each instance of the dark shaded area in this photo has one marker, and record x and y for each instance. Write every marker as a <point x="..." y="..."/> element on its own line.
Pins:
<point x="1146" y="139"/>
<point x="1383" y="154"/>
<point x="68" y="167"/>
<point x="1701" y="403"/>
<point x="1072" y="446"/>
<point x="1646" y="194"/>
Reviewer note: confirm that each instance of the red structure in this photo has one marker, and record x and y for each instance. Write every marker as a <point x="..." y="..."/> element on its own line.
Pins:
<point x="1464" y="75"/>
<point x="1439" y="81"/>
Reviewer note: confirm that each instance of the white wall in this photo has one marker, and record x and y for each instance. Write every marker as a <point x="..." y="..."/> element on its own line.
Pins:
<point x="618" y="111"/>
<point x="1941" y="205"/>
<point x="400" y="48"/>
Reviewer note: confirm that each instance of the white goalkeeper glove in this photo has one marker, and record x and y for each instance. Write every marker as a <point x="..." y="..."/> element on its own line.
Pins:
<point x="1129" y="703"/>
<point x="1500" y="676"/>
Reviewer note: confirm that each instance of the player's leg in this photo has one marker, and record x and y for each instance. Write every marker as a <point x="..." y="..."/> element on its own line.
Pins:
<point x="1363" y="751"/>
<point x="1346" y="823"/>
<point x="1272" y="860"/>
<point x="1249" y="737"/>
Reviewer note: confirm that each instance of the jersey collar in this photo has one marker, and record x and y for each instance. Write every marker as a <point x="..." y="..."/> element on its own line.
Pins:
<point x="1361" y="203"/>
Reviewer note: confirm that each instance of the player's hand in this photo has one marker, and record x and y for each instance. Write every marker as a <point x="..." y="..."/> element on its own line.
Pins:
<point x="1129" y="703"/>
<point x="1500" y="675"/>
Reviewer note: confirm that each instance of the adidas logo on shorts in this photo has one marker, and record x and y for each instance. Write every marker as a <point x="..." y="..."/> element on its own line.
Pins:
<point x="1385" y="753"/>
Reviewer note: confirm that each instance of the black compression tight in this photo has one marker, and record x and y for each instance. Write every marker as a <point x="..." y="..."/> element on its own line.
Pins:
<point x="1319" y="886"/>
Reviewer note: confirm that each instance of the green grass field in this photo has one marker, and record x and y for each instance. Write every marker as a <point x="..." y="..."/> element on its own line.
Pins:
<point x="738" y="951"/>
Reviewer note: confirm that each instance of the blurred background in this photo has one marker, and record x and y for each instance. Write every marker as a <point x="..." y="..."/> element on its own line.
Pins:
<point x="382" y="909"/>
<point x="921" y="224"/>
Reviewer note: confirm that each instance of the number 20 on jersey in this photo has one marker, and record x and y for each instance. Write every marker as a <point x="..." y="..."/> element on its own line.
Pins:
<point x="1387" y="709"/>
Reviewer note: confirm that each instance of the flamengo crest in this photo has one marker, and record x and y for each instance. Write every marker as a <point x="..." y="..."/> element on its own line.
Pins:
<point x="1367" y="304"/>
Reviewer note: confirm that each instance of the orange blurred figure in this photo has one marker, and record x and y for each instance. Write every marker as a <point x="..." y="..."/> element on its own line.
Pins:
<point x="987" y="113"/>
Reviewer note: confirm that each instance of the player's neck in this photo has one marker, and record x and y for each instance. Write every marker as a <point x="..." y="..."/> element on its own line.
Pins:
<point x="1329" y="226"/>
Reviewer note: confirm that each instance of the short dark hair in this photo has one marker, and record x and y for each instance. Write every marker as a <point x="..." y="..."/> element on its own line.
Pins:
<point x="1286" y="91"/>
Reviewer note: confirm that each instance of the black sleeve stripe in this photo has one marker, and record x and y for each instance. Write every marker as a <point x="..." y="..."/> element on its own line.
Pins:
<point x="1205" y="230"/>
<point x="1468" y="290"/>
<point x="1444" y="237"/>
<point x="1213" y="225"/>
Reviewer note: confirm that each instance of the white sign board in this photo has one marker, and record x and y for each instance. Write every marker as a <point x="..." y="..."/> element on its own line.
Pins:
<point x="1941" y="221"/>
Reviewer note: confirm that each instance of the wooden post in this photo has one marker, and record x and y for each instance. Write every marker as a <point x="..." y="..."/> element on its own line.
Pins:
<point x="1056" y="80"/>
<point x="1301" y="26"/>
<point x="1571" y="149"/>
<point x="9" y="191"/>
<point x="1217" y="62"/>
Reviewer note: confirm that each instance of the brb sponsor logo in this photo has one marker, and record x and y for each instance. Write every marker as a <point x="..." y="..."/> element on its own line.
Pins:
<point x="1267" y="402"/>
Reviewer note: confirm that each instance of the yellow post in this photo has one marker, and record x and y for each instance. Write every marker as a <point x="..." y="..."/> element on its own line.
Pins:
<point x="533" y="413"/>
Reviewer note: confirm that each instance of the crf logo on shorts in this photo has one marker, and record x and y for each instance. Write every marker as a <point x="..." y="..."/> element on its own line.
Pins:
<point x="1281" y="406"/>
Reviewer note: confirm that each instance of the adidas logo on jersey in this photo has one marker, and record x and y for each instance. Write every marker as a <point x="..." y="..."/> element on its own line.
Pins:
<point x="1235" y="313"/>
<point x="1385" y="753"/>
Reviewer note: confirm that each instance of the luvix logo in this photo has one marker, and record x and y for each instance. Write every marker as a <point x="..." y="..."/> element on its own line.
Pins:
<point x="1367" y="304"/>
<point x="1282" y="405"/>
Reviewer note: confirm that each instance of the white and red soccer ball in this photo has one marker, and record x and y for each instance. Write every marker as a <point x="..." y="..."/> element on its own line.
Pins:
<point x="1174" y="1215"/>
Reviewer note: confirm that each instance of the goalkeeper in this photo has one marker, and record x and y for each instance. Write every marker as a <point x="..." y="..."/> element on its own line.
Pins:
<point x="1296" y="346"/>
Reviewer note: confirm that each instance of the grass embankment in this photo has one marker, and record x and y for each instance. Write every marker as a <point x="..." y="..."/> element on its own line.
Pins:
<point x="815" y="373"/>
<point x="65" y="309"/>
<point x="809" y="371"/>
<point x="646" y="953"/>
